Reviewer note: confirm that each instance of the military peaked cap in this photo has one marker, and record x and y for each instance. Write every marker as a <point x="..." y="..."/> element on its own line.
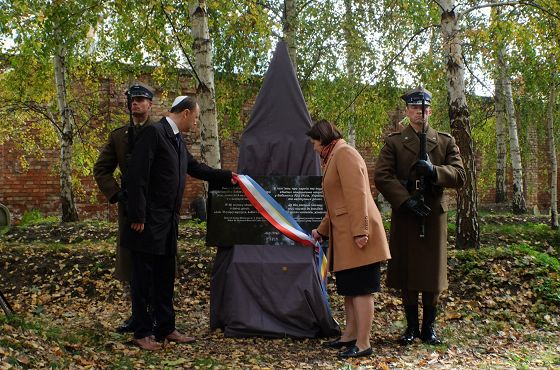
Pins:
<point x="415" y="96"/>
<point x="139" y="90"/>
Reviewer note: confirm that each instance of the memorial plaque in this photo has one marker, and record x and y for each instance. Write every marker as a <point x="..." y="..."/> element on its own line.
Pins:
<point x="232" y="219"/>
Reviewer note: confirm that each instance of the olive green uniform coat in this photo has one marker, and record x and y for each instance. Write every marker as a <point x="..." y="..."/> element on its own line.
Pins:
<point x="418" y="264"/>
<point x="114" y="155"/>
<point x="351" y="212"/>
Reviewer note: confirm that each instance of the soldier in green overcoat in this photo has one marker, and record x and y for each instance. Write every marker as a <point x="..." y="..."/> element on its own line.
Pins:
<point x="115" y="153"/>
<point x="418" y="235"/>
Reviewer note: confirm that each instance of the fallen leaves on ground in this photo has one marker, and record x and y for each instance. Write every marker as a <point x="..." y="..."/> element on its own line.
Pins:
<point x="60" y="284"/>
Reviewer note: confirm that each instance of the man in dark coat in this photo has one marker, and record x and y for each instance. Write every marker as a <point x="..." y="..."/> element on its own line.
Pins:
<point x="157" y="173"/>
<point x="115" y="154"/>
<point x="419" y="263"/>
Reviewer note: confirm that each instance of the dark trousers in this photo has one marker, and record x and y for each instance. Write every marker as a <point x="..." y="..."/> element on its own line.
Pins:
<point x="429" y="299"/>
<point x="153" y="278"/>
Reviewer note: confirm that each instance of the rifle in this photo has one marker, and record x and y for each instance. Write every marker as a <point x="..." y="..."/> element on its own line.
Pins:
<point x="5" y="305"/>
<point x="422" y="155"/>
<point x="130" y="133"/>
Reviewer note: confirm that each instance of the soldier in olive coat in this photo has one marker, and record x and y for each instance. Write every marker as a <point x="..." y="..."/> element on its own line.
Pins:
<point x="419" y="263"/>
<point x="115" y="154"/>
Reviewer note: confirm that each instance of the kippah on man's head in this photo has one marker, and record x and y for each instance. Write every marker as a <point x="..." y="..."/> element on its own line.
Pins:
<point x="139" y="90"/>
<point x="415" y="96"/>
<point x="183" y="102"/>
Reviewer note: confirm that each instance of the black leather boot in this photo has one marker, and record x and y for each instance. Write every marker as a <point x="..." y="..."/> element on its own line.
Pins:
<point x="428" y="334"/>
<point x="127" y="327"/>
<point x="412" y="331"/>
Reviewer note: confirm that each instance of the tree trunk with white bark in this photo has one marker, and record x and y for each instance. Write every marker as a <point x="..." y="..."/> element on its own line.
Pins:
<point x="501" y="143"/>
<point x="290" y="30"/>
<point x="350" y="67"/>
<point x="206" y="93"/>
<point x="518" y="198"/>
<point x="468" y="229"/>
<point x="553" y="168"/>
<point x="69" y="212"/>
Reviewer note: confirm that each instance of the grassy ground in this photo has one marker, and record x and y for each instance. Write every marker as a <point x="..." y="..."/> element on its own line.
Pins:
<point x="501" y="311"/>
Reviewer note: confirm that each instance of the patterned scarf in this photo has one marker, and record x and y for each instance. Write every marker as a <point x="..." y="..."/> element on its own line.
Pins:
<point x="326" y="151"/>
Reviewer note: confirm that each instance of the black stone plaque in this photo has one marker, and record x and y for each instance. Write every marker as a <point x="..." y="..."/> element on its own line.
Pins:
<point x="232" y="219"/>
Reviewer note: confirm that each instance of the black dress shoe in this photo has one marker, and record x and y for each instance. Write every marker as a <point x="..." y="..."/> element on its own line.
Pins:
<point x="337" y="343"/>
<point x="127" y="327"/>
<point x="354" y="351"/>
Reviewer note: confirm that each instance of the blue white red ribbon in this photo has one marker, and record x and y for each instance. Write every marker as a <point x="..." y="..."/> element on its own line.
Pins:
<point x="281" y="220"/>
<point x="273" y="211"/>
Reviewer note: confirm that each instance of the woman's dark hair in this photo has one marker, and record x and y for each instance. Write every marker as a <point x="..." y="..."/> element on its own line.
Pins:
<point x="188" y="103"/>
<point x="324" y="131"/>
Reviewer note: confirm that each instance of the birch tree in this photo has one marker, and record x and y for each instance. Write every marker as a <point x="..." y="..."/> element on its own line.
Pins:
<point x="538" y="50"/>
<point x="289" y="28"/>
<point x="206" y="94"/>
<point x="349" y="34"/>
<point x="501" y="143"/>
<point x="518" y="197"/>
<point x="49" y="37"/>
<point x="553" y="167"/>
<point x="241" y="35"/>
<point x="69" y="211"/>
<point x="500" y="114"/>
<point x="468" y="229"/>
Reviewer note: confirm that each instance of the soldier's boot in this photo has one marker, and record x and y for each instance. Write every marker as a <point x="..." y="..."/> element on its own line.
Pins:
<point x="412" y="331"/>
<point x="428" y="334"/>
<point x="128" y="326"/>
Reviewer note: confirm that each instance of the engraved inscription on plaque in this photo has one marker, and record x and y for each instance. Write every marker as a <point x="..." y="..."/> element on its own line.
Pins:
<point x="232" y="219"/>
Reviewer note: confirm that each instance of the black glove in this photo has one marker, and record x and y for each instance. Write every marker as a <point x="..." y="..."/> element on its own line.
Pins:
<point x="417" y="206"/>
<point x="425" y="168"/>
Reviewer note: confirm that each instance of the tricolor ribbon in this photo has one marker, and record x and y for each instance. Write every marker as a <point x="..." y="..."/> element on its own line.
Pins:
<point x="281" y="220"/>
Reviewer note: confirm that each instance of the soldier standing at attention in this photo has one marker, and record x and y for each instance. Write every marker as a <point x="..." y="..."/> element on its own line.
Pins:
<point x="414" y="187"/>
<point x="116" y="153"/>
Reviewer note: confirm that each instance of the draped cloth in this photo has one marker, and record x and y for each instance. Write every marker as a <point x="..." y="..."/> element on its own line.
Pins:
<point x="265" y="290"/>
<point x="283" y="222"/>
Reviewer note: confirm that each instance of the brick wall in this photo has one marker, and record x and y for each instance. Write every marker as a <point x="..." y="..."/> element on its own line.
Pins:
<point x="38" y="186"/>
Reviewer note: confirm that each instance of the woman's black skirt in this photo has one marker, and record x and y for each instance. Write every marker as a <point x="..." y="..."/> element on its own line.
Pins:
<point x="359" y="280"/>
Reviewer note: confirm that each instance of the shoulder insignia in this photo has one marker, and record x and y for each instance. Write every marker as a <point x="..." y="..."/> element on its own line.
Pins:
<point x="444" y="133"/>
<point x="394" y="133"/>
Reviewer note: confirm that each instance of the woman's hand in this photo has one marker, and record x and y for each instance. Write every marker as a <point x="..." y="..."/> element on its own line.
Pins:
<point x="315" y="234"/>
<point x="361" y="240"/>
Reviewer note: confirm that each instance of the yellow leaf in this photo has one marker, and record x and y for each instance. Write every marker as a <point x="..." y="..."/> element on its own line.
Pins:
<point x="452" y="315"/>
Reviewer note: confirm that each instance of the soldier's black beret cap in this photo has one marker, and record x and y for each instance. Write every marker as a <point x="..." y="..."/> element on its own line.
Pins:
<point x="415" y="96"/>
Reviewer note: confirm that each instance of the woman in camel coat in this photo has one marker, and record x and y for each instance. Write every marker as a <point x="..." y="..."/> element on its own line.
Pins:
<point x="357" y="240"/>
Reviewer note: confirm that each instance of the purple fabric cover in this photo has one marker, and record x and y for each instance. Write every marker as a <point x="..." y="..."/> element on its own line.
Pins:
<point x="263" y="290"/>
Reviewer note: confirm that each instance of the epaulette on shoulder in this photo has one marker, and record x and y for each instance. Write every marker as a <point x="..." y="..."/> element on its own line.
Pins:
<point x="394" y="133"/>
<point x="444" y="133"/>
